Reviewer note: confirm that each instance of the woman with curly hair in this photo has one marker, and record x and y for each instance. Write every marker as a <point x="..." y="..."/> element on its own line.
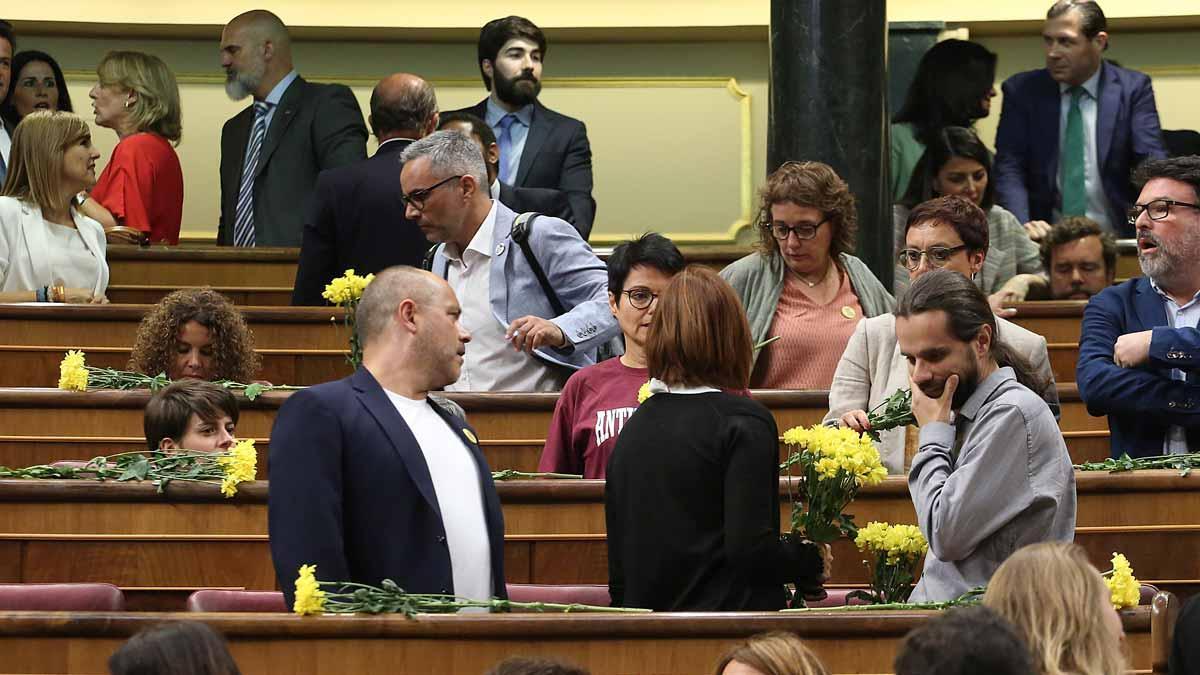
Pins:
<point x="195" y="332"/>
<point x="803" y="286"/>
<point x="1061" y="606"/>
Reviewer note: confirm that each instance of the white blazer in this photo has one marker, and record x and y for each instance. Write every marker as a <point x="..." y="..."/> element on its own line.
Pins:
<point x="24" y="254"/>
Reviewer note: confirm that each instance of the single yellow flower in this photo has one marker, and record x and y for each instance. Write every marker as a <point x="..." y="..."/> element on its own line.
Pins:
<point x="72" y="372"/>
<point x="1125" y="588"/>
<point x="310" y="599"/>
<point x="347" y="289"/>
<point x="644" y="392"/>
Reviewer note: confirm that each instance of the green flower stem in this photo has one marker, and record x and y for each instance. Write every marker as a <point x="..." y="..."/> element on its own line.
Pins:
<point x="391" y="599"/>
<point x="513" y="474"/>
<point x="971" y="597"/>
<point x="1185" y="463"/>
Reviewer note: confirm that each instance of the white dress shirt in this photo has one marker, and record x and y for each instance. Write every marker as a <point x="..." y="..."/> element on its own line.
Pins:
<point x="456" y="482"/>
<point x="5" y="145"/>
<point x="491" y="363"/>
<point x="1097" y="201"/>
<point x="1187" y="316"/>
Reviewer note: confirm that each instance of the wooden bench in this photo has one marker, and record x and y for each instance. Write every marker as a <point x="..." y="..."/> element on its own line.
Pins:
<point x="606" y="644"/>
<point x="161" y="547"/>
<point x="45" y="425"/>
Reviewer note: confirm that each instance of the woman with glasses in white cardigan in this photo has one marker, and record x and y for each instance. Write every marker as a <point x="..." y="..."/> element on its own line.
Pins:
<point x="49" y="251"/>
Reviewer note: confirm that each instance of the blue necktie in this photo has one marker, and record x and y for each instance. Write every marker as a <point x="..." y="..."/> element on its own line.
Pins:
<point x="507" y="166"/>
<point x="243" y="221"/>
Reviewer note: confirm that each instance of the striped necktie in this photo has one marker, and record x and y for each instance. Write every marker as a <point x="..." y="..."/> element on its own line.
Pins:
<point x="243" y="221"/>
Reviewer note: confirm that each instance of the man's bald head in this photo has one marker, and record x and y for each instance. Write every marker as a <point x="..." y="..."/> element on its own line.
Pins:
<point x="256" y="53"/>
<point x="263" y="26"/>
<point x="384" y="295"/>
<point x="405" y="105"/>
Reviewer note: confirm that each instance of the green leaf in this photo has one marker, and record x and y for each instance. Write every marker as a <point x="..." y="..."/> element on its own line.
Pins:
<point x="136" y="470"/>
<point x="253" y="390"/>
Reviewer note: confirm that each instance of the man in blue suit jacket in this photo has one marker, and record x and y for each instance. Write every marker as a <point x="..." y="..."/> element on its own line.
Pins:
<point x="1139" y="350"/>
<point x="522" y="341"/>
<point x="1117" y="109"/>
<point x="372" y="480"/>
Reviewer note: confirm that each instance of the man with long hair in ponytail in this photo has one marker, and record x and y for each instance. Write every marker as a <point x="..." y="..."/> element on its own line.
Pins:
<point x="992" y="473"/>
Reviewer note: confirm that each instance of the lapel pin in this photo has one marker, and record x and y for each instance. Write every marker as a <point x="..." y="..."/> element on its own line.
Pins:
<point x="848" y="312"/>
<point x="499" y="249"/>
<point x="470" y="436"/>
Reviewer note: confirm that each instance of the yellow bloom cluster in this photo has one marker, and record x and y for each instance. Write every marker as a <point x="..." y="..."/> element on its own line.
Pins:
<point x="72" y="372"/>
<point x="839" y="448"/>
<point x="240" y="464"/>
<point x="347" y="288"/>
<point x="310" y="599"/>
<point x="1126" y="589"/>
<point x="895" y="540"/>
<point x="644" y="392"/>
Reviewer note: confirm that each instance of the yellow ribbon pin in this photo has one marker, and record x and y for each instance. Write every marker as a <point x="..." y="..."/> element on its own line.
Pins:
<point x="848" y="312"/>
<point x="470" y="436"/>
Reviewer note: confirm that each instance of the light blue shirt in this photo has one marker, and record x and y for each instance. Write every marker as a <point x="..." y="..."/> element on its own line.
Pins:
<point x="519" y="131"/>
<point x="1187" y="316"/>
<point x="1097" y="202"/>
<point x="277" y="93"/>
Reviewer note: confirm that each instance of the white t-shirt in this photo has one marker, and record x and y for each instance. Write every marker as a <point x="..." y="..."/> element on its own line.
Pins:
<point x="70" y="259"/>
<point x="456" y="483"/>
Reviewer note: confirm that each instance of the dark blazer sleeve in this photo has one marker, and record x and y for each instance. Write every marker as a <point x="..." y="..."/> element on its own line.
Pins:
<point x="576" y="181"/>
<point x="339" y="135"/>
<point x="1175" y="348"/>
<point x="1011" y="168"/>
<point x="318" y="252"/>
<point x="545" y="201"/>
<point x="305" y="501"/>
<point x="1147" y="135"/>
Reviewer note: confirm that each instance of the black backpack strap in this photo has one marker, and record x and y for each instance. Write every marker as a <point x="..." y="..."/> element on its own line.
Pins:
<point x="521" y="227"/>
<point x="427" y="261"/>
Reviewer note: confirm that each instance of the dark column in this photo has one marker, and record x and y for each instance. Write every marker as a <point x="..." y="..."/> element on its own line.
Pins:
<point x="828" y="103"/>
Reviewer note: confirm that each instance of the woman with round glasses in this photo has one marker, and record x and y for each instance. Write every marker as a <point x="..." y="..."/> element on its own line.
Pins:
<point x="802" y="288"/>
<point x="956" y="162"/>
<point x="596" y="401"/>
<point x="950" y="232"/>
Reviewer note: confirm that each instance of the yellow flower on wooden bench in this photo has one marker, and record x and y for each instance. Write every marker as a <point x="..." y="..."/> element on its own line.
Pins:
<point x="310" y="599"/>
<point x="1125" y="588"/>
<point x="72" y="372"/>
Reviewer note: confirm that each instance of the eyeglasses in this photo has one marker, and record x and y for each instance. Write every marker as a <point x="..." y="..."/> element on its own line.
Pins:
<point x="1157" y="209"/>
<point x="640" y="298"/>
<point x="417" y="197"/>
<point x="938" y="256"/>
<point x="803" y="232"/>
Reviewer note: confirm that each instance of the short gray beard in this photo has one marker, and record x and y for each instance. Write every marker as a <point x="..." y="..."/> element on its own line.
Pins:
<point x="243" y="83"/>
<point x="1172" y="265"/>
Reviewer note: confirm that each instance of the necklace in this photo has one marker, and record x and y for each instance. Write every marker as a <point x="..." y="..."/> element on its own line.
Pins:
<point x="813" y="284"/>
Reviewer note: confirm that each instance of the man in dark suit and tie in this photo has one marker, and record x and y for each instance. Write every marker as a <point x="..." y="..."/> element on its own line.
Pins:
<point x="272" y="151"/>
<point x="1071" y="133"/>
<point x="357" y="219"/>
<point x="539" y="148"/>
<point x="373" y="480"/>
<point x="8" y="44"/>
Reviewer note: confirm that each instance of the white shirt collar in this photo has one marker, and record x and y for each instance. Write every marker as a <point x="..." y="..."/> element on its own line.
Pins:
<point x="277" y="91"/>
<point x="1166" y="296"/>
<point x="657" y="386"/>
<point x="495" y="188"/>
<point x="481" y="243"/>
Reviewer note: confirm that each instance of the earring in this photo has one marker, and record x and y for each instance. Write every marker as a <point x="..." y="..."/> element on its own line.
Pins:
<point x="127" y="102"/>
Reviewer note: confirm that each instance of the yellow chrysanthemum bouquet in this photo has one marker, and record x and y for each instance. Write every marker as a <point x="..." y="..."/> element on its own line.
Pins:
<point x="346" y="291"/>
<point x="226" y="469"/>
<point x="1125" y="588"/>
<point x="897" y="551"/>
<point x="389" y="598"/>
<point x="833" y="463"/>
<point x="74" y="374"/>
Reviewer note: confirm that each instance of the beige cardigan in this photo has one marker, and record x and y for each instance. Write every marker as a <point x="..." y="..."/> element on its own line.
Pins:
<point x="872" y="369"/>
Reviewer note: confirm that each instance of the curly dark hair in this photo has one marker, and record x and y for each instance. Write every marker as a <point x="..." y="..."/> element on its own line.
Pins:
<point x="814" y="185"/>
<point x="233" y="343"/>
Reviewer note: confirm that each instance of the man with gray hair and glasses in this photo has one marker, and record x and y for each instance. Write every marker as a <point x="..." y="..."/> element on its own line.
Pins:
<point x="1139" y="350"/>
<point x="534" y="295"/>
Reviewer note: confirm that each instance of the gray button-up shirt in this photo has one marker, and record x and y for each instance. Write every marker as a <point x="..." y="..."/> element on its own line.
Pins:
<point x="995" y="480"/>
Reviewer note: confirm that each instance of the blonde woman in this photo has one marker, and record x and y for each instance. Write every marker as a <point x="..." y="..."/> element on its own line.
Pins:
<point x="49" y="251"/>
<point x="1060" y="605"/>
<point x="142" y="186"/>
<point x="770" y="654"/>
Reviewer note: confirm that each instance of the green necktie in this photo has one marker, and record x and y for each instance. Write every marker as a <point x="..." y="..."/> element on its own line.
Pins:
<point x="1074" y="191"/>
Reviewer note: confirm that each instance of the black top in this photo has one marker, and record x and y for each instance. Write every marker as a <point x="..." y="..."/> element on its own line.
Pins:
<point x="692" y="507"/>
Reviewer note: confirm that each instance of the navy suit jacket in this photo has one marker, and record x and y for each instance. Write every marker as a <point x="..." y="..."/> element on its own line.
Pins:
<point x="1140" y="402"/>
<point x="556" y="156"/>
<point x="1026" y="167"/>
<point x="351" y="493"/>
<point x="357" y="222"/>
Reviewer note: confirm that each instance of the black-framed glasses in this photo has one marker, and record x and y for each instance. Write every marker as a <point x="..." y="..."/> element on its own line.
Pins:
<point x="1157" y="209"/>
<point x="640" y="298"/>
<point x="782" y="232"/>
<point x="417" y="197"/>
<point x="938" y="256"/>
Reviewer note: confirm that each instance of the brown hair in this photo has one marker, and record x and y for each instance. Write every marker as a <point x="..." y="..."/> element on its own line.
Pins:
<point x="171" y="408"/>
<point x="520" y="665"/>
<point x="967" y="219"/>
<point x="699" y="335"/>
<point x="233" y="343"/>
<point x="35" y="169"/>
<point x="1056" y="600"/>
<point x="776" y="653"/>
<point x="814" y="185"/>
<point x="1077" y="227"/>
<point x="157" y="108"/>
<point x="178" y="647"/>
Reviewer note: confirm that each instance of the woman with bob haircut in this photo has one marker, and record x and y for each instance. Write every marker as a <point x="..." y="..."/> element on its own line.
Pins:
<point x="954" y="86"/>
<point x="37" y="84"/>
<point x="1060" y="605"/>
<point x="142" y="186"/>
<point x="956" y="162"/>
<point x="692" y="493"/>
<point x="776" y="653"/>
<point x="174" y="648"/>
<point x="195" y="332"/>
<point x="803" y="286"/>
<point x="49" y="251"/>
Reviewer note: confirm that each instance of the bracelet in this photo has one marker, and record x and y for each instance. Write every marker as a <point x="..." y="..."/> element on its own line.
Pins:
<point x="58" y="293"/>
<point x="42" y="294"/>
